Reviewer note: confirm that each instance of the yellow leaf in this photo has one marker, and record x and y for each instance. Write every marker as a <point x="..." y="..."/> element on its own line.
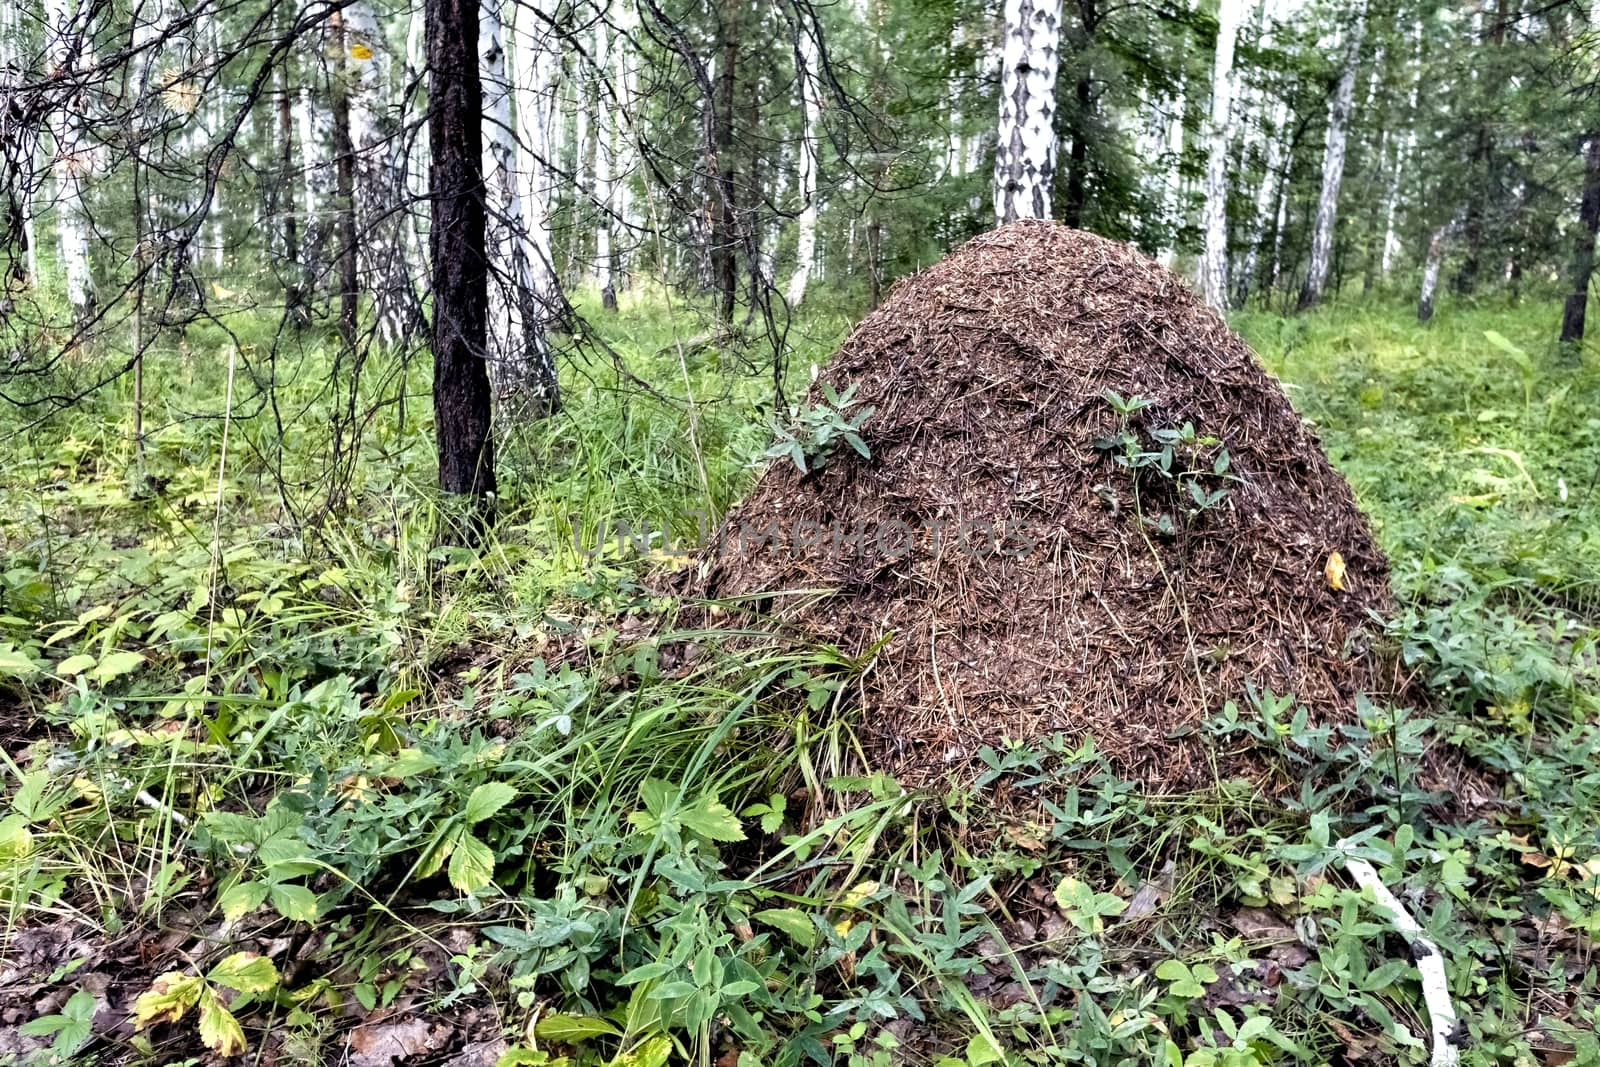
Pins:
<point x="219" y="1030"/>
<point x="1333" y="570"/>
<point x="360" y="52"/>
<point x="168" y="997"/>
<point x="856" y="895"/>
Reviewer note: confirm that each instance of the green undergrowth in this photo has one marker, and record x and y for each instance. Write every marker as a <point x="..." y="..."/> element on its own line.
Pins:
<point x="284" y="772"/>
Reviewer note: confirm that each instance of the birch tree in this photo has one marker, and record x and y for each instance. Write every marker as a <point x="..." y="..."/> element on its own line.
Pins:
<point x="521" y="365"/>
<point x="19" y="149"/>
<point x="1333" y="164"/>
<point x="66" y="48"/>
<point x="1025" y="159"/>
<point x="811" y="104"/>
<point x="1214" y="262"/>
<point x="378" y="176"/>
<point x="536" y="54"/>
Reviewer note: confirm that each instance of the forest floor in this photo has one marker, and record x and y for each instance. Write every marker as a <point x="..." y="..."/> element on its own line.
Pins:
<point x="322" y="793"/>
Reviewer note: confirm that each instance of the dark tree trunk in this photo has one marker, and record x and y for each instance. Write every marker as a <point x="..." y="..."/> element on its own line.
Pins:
<point x="1573" y="315"/>
<point x="1465" y="281"/>
<point x="875" y="260"/>
<point x="1076" y="200"/>
<point x="461" y="401"/>
<point x="1078" y="157"/>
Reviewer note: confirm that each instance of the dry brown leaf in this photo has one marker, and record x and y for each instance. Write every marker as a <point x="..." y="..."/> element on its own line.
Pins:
<point x="393" y="1041"/>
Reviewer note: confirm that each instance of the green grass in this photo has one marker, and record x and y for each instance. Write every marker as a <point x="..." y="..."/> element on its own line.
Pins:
<point x="510" y="783"/>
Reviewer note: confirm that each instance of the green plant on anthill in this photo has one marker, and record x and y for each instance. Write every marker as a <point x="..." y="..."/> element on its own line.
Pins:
<point x="1196" y="464"/>
<point x="809" y="441"/>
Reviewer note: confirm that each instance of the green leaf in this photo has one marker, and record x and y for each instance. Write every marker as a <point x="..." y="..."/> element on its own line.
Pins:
<point x="573" y="1028"/>
<point x="75" y="664"/>
<point x="487" y="799"/>
<point x="656" y="796"/>
<point x="1504" y="344"/>
<point x="294" y="902"/>
<point x="711" y="819"/>
<point x="115" y="665"/>
<point x="219" y="1030"/>
<point x="14" y="664"/>
<point x="981" y="1050"/>
<point x="796" y="924"/>
<point x="471" y="865"/>
<point x="1084" y="907"/>
<point x="522" y="1056"/>
<point x="245" y="972"/>
<point x="1253" y="1028"/>
<point x="241" y="899"/>
<point x="1172" y="971"/>
<point x="410" y="762"/>
<point x="651" y="1052"/>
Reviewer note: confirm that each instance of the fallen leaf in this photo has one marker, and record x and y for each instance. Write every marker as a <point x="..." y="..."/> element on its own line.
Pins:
<point x="1333" y="571"/>
<point x="1259" y="924"/>
<point x="396" y="1040"/>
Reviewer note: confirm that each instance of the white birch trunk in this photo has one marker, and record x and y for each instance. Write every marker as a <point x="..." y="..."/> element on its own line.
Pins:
<point x="1333" y="165"/>
<point x="1173" y="196"/>
<point x="1430" y="272"/>
<point x="19" y="149"/>
<point x="65" y="47"/>
<point x="311" y="122"/>
<point x="520" y="364"/>
<point x="1403" y="155"/>
<point x="1025" y="159"/>
<point x="384" y="248"/>
<point x="417" y="159"/>
<point x="1266" y="194"/>
<point x="604" y="156"/>
<point x="811" y="101"/>
<point x="624" y="157"/>
<point x="215" y="238"/>
<point x="1214" y="262"/>
<point x="537" y="61"/>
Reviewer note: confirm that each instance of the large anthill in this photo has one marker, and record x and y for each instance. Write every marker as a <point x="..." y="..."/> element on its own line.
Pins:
<point x="1087" y="509"/>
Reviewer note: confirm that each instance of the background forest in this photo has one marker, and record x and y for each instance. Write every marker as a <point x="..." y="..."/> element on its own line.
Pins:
<point x="346" y="715"/>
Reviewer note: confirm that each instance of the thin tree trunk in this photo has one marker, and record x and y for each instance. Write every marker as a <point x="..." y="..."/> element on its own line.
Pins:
<point x="378" y="179"/>
<point x="520" y="363"/>
<point x="875" y="261"/>
<point x="1078" y="155"/>
<point x="344" y="168"/>
<point x="1214" y="264"/>
<point x="1430" y="272"/>
<point x="1576" y="309"/>
<point x="66" y="49"/>
<point x="1266" y="201"/>
<point x="605" y="153"/>
<point x="460" y="269"/>
<point x="18" y="154"/>
<point x="1333" y="166"/>
<point x="536" y="51"/>
<point x="1408" y="147"/>
<point x="1025" y="159"/>
<point x="724" y="254"/>
<point x="811" y="101"/>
